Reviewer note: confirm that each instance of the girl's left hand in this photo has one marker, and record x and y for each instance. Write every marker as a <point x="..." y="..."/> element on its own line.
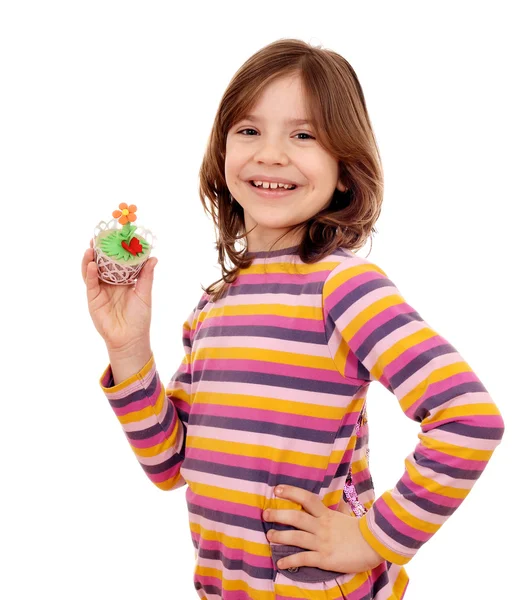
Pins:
<point x="333" y="539"/>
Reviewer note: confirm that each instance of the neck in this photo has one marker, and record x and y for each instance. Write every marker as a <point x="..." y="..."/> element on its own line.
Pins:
<point x="270" y="240"/>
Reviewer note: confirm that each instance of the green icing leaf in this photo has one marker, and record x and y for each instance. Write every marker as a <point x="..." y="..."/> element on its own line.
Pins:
<point x="111" y="245"/>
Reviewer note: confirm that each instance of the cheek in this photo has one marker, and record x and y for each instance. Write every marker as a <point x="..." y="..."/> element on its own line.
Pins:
<point x="233" y="167"/>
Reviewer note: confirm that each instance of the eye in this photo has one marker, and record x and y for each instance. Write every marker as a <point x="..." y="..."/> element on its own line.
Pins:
<point x="309" y="136"/>
<point x="248" y="129"/>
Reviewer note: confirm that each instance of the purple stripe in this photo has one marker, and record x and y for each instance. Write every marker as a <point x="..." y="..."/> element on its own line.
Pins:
<point x="296" y="288"/>
<point x="271" y="380"/>
<point x="263" y="331"/>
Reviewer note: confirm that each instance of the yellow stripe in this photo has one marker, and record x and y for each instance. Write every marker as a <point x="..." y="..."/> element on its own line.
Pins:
<point x="433" y="486"/>
<point x="244" y="498"/>
<point x="435" y="376"/>
<point x="228" y="495"/>
<point x="453" y="450"/>
<point x="352" y="328"/>
<point x="286" y="267"/>
<point x="398" y="589"/>
<point x="130" y="380"/>
<point x="229" y="541"/>
<point x="332" y="593"/>
<point x="335" y="281"/>
<point x="274" y="404"/>
<point x="400" y="347"/>
<point x="149" y="410"/>
<point x="461" y="411"/>
<point x="158" y="448"/>
<point x="403" y="515"/>
<point x="267" y="452"/>
<point x="259" y="354"/>
<point x="348" y="587"/>
<point x="179" y="394"/>
<point x="383" y="551"/>
<point x="234" y="584"/>
<point x="332" y="498"/>
<point x="168" y="484"/>
<point x="314" y="313"/>
<point x="359" y="465"/>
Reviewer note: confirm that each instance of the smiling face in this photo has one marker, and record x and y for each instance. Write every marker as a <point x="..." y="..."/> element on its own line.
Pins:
<point x="275" y="143"/>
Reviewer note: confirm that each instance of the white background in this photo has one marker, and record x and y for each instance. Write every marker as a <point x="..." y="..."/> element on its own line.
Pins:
<point x="109" y="102"/>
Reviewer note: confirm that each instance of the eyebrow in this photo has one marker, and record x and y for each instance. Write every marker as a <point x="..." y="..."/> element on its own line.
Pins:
<point x="287" y="121"/>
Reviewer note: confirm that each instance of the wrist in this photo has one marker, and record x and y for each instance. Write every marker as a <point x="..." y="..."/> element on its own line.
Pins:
<point x="126" y="362"/>
<point x="129" y="349"/>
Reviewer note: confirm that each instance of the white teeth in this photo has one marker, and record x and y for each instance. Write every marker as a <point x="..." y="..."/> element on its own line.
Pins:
<point x="272" y="185"/>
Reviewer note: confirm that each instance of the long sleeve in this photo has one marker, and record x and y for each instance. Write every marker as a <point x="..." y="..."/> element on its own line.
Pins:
<point x="155" y="419"/>
<point x="371" y="328"/>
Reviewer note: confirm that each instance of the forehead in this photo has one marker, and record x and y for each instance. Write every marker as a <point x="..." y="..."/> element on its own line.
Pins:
<point x="284" y="100"/>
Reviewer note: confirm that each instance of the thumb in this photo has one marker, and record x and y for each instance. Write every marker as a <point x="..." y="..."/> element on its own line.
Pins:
<point x="144" y="282"/>
<point x="91" y="281"/>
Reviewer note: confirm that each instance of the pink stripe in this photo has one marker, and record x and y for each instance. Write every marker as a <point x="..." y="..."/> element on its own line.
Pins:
<point x="421" y="492"/>
<point x="451" y="461"/>
<point x="413" y="352"/>
<point x="360" y="476"/>
<point x="272" y="417"/>
<point x="471" y="420"/>
<point x="230" y="508"/>
<point x="400" y="525"/>
<point x="138" y="405"/>
<point x="439" y="387"/>
<point x="264" y="321"/>
<point x="381" y="318"/>
<point x="264" y="562"/>
<point x="268" y="368"/>
<point x="257" y="464"/>
<point x="284" y="278"/>
<point x="349" y="286"/>
<point x="157" y="478"/>
<point x="155" y="439"/>
<point x="138" y="384"/>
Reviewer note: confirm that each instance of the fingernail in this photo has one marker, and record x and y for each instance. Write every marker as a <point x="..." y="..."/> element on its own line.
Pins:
<point x="279" y="490"/>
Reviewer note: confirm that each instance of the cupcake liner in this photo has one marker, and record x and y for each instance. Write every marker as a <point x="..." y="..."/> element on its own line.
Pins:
<point x="114" y="272"/>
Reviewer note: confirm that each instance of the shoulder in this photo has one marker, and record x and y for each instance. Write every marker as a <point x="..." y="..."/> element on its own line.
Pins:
<point x="197" y="313"/>
<point x="349" y="271"/>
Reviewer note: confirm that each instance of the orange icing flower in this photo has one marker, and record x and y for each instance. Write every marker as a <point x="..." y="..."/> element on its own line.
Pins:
<point x="126" y="213"/>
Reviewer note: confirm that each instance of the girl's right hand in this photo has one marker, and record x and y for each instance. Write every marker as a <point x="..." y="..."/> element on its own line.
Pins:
<point x="120" y="313"/>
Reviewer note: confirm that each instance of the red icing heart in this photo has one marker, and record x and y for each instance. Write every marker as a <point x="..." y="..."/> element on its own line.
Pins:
<point x="134" y="246"/>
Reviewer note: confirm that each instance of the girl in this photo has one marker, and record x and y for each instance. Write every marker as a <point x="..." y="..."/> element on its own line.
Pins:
<point x="265" y="419"/>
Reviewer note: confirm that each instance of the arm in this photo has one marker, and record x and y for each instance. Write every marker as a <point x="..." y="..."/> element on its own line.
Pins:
<point x="154" y="419"/>
<point x="369" y="323"/>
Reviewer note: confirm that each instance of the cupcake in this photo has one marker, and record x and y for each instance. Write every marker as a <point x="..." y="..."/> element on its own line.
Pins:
<point x="121" y="252"/>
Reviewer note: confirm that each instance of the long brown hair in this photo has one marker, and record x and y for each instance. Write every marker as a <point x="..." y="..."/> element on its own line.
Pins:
<point x="342" y="126"/>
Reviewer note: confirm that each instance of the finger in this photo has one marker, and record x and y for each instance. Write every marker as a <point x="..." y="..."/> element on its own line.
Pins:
<point x="310" y="502"/>
<point x="296" y="518"/>
<point x="301" y="559"/>
<point x="87" y="258"/>
<point x="302" y="539"/>
<point x="144" y="283"/>
<point x="91" y="242"/>
<point x="91" y="281"/>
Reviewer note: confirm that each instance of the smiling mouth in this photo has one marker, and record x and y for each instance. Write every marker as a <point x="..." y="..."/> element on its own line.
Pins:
<point x="274" y="189"/>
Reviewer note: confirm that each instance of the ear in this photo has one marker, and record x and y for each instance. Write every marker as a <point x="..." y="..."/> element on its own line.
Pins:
<point x="341" y="186"/>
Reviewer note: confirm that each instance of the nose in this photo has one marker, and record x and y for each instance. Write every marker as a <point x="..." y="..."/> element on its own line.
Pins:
<point x="270" y="152"/>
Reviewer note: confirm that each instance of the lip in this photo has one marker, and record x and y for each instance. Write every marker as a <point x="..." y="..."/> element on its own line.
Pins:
<point x="271" y="193"/>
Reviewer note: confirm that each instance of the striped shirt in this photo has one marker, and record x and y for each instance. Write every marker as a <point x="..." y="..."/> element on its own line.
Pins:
<point x="272" y="390"/>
